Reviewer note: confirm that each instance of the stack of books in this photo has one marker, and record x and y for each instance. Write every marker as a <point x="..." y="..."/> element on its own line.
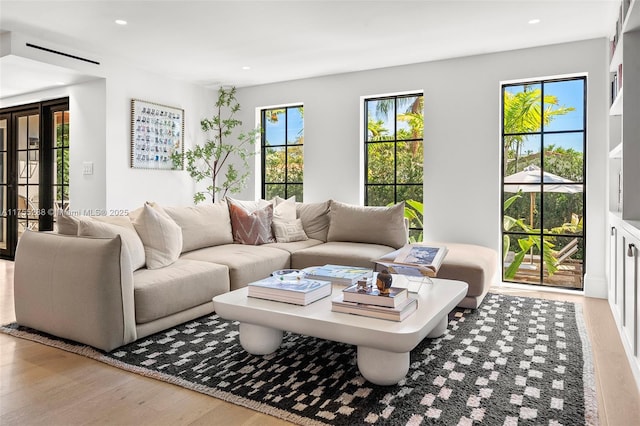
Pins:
<point x="395" y="306"/>
<point x="298" y="292"/>
<point x="337" y="274"/>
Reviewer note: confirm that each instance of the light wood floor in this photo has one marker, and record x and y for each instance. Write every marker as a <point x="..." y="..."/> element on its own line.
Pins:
<point x="43" y="385"/>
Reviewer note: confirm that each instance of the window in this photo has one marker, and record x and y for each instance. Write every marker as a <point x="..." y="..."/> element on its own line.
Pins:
<point x="543" y="182"/>
<point x="393" y="154"/>
<point x="282" y="152"/>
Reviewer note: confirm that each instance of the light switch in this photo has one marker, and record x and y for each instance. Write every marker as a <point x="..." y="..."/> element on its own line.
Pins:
<point x="87" y="168"/>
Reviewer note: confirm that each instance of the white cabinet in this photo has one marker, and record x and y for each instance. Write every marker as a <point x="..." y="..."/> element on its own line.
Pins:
<point x="624" y="286"/>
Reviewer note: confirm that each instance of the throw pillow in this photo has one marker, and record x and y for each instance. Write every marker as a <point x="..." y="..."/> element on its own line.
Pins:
<point x="67" y="224"/>
<point x="205" y="225"/>
<point x="248" y="205"/>
<point x="130" y="240"/>
<point x="160" y="235"/>
<point x="252" y="228"/>
<point x="367" y="224"/>
<point x="288" y="231"/>
<point x="285" y="210"/>
<point x="315" y="219"/>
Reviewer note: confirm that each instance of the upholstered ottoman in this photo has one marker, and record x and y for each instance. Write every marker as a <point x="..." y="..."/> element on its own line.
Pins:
<point x="473" y="264"/>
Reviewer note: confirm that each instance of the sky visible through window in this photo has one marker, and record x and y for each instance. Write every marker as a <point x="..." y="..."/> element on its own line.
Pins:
<point x="276" y="129"/>
<point x="569" y="93"/>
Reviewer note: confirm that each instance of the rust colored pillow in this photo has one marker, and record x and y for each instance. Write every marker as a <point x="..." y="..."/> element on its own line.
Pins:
<point x="253" y="228"/>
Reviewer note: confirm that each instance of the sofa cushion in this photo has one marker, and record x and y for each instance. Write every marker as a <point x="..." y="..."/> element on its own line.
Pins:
<point x="246" y="263"/>
<point x="252" y="228"/>
<point x="160" y="235"/>
<point x="315" y="219"/>
<point x="476" y="265"/>
<point x="182" y="285"/>
<point x="131" y="242"/>
<point x="296" y="245"/>
<point x="367" y="224"/>
<point x="339" y="253"/>
<point x="204" y="225"/>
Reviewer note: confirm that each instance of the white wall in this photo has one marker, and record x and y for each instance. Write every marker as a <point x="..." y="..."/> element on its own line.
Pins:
<point x="100" y="133"/>
<point x="462" y="136"/>
<point x="87" y="131"/>
<point x="129" y="188"/>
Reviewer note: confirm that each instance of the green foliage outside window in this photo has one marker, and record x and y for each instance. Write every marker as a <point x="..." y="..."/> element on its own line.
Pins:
<point x="524" y="114"/>
<point x="62" y="162"/>
<point x="395" y="156"/>
<point x="283" y="151"/>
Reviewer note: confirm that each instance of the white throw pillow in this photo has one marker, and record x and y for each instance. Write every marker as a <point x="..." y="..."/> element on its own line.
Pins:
<point x="131" y="242"/>
<point x="160" y="235"/>
<point x="285" y="210"/>
<point x="67" y="224"/>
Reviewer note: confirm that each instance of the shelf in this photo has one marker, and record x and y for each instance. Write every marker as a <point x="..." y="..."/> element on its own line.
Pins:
<point x="616" y="152"/>
<point x="616" y="106"/>
<point x="616" y="59"/>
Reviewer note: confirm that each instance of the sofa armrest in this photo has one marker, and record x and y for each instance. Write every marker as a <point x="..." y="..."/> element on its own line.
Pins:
<point x="77" y="288"/>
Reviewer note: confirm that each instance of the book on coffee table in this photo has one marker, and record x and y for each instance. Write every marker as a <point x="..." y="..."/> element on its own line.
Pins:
<point x="399" y="313"/>
<point x="300" y="292"/>
<point x="337" y="274"/>
<point x="415" y="260"/>
<point x="372" y="296"/>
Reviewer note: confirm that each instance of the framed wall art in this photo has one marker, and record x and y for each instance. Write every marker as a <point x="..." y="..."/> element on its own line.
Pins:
<point x="157" y="131"/>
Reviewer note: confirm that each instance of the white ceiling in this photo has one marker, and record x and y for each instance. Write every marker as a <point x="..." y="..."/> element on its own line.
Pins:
<point x="209" y="42"/>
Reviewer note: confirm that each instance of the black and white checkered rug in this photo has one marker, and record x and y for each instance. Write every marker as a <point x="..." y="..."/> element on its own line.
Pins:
<point x="514" y="360"/>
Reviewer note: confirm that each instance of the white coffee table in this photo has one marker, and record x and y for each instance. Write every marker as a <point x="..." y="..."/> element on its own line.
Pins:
<point x="383" y="346"/>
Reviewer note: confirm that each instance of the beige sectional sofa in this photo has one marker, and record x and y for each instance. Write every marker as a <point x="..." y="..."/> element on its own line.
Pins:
<point x="107" y="281"/>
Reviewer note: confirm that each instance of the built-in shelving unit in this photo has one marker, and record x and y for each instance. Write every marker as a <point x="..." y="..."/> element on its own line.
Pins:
<point x="624" y="113"/>
<point x="624" y="180"/>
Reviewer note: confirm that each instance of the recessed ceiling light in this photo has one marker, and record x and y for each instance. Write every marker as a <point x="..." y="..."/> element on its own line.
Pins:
<point x="246" y="67"/>
<point x="534" y="21"/>
<point x="121" y="22"/>
<point x="60" y="83"/>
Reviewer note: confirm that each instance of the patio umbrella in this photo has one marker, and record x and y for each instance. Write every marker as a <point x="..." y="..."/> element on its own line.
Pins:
<point x="528" y="180"/>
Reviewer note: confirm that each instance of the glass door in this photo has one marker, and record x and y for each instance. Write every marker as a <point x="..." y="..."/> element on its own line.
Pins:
<point x="34" y="174"/>
<point x="4" y="185"/>
<point x="28" y="179"/>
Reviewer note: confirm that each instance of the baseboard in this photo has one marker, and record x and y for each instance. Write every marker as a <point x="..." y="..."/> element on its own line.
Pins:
<point x="595" y="286"/>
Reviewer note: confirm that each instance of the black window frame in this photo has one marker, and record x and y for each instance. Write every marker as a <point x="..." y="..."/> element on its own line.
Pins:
<point x="287" y="184"/>
<point x="395" y="185"/>
<point x="541" y="133"/>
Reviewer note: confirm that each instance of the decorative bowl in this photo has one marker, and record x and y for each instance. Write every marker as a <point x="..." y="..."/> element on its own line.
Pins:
<point x="289" y="275"/>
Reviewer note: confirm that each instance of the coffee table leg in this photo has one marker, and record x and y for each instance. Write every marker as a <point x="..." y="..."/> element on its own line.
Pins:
<point x="259" y="340"/>
<point x="382" y="367"/>
<point x="440" y="328"/>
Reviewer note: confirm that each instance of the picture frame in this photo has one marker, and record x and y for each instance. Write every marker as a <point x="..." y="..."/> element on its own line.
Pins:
<point x="157" y="132"/>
